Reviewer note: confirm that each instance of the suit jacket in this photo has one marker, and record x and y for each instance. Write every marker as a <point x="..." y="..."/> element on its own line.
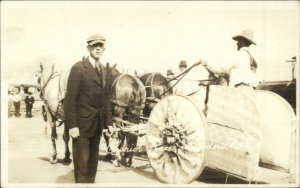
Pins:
<point x="87" y="101"/>
<point x="29" y="101"/>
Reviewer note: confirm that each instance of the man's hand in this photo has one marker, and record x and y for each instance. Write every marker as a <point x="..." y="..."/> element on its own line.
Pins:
<point x="74" y="132"/>
<point x="110" y="129"/>
<point x="111" y="132"/>
<point x="202" y="62"/>
<point x="198" y="63"/>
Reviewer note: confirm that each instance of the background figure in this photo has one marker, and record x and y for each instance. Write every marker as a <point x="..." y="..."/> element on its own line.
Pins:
<point x="29" y="100"/>
<point x="170" y="74"/>
<point x="182" y="66"/>
<point x="17" y="104"/>
<point x="10" y="102"/>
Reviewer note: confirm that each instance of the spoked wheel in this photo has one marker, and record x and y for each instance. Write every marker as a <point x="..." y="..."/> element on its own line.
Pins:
<point x="175" y="140"/>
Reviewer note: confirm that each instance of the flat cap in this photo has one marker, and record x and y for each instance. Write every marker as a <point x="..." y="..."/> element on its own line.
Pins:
<point x="94" y="39"/>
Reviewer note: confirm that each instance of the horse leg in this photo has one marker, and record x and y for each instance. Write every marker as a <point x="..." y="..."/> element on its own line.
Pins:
<point x="53" y="156"/>
<point x="66" y="138"/>
<point x="108" y="156"/>
<point x="119" y="158"/>
<point x="44" y="113"/>
<point x="51" y="121"/>
<point x="131" y="142"/>
<point x="45" y="128"/>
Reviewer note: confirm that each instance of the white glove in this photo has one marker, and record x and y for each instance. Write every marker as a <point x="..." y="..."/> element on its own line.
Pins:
<point x="74" y="132"/>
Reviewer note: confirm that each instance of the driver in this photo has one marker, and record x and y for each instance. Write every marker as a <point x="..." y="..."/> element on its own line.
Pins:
<point x="243" y="69"/>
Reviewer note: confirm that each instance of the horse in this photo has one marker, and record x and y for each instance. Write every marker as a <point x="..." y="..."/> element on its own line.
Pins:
<point x="50" y="82"/>
<point x="157" y="86"/>
<point x="128" y="97"/>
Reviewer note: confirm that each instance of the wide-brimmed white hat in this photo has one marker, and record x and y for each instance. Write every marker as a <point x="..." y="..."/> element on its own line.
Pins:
<point x="246" y="34"/>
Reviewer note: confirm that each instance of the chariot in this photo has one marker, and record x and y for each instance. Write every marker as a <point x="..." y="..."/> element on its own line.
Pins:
<point x="222" y="128"/>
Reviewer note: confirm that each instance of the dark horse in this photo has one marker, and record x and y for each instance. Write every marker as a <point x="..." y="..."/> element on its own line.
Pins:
<point x="128" y="97"/>
<point x="157" y="86"/>
<point x="50" y="82"/>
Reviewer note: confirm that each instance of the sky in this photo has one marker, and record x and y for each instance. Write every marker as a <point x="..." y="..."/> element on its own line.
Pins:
<point x="146" y="36"/>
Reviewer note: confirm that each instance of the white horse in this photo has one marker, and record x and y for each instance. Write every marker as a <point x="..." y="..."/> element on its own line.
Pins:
<point x="53" y="86"/>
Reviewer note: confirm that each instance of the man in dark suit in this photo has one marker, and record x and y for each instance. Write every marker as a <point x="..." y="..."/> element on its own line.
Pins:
<point x="87" y="109"/>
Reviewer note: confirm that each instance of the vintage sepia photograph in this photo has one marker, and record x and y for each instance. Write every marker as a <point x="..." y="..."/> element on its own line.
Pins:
<point x="150" y="93"/>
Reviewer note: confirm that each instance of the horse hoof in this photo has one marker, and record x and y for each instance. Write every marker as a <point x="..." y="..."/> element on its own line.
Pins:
<point x="108" y="157"/>
<point x="116" y="163"/>
<point x="53" y="161"/>
<point x="129" y="165"/>
<point x="67" y="160"/>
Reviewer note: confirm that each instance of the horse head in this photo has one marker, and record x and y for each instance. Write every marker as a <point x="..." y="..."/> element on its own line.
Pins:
<point x="138" y="98"/>
<point x="157" y="87"/>
<point x="112" y="72"/>
<point x="128" y="96"/>
<point x="44" y="75"/>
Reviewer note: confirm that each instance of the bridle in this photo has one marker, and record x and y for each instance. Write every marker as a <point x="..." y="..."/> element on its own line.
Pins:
<point x="52" y="75"/>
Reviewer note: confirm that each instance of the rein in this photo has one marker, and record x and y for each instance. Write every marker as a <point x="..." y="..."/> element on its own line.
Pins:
<point x="52" y="75"/>
<point x="180" y="76"/>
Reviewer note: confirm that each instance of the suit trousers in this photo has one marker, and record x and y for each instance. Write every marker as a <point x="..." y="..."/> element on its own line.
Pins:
<point x="85" y="156"/>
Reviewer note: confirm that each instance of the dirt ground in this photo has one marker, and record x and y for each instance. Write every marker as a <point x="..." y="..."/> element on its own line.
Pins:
<point x="29" y="149"/>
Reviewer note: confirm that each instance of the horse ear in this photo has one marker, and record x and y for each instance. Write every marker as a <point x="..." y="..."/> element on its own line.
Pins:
<point x="41" y="66"/>
<point x="115" y="65"/>
<point x="83" y="58"/>
<point x="107" y="65"/>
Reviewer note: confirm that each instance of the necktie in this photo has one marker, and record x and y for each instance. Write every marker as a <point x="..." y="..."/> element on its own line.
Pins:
<point x="98" y="70"/>
<point x="98" y="67"/>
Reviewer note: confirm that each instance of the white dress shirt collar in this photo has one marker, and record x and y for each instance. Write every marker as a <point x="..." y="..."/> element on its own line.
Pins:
<point x="93" y="61"/>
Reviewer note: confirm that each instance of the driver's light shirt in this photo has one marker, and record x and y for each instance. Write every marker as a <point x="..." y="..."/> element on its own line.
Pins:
<point x="239" y="70"/>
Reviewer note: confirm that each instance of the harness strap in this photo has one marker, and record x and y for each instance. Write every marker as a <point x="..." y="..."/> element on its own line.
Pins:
<point x="253" y="63"/>
<point x="152" y="78"/>
<point x="54" y="114"/>
<point x="206" y="99"/>
<point x="193" y="92"/>
<point x="119" y="103"/>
